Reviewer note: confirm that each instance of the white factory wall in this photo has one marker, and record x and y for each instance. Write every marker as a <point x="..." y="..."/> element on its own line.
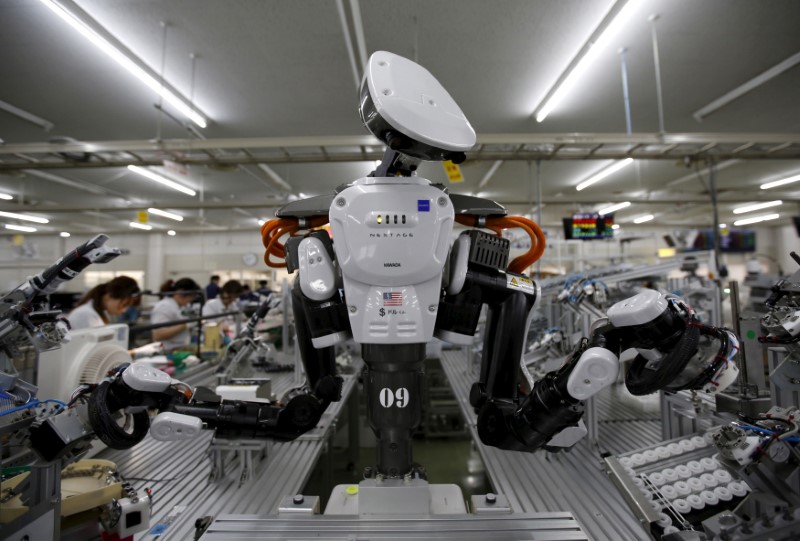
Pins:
<point x="153" y="258"/>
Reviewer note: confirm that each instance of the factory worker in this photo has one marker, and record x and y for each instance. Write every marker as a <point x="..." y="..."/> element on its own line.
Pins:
<point x="170" y="309"/>
<point x="225" y="302"/>
<point x="102" y="301"/>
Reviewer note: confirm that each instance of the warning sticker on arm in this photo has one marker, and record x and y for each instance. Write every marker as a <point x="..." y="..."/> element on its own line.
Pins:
<point x="522" y="283"/>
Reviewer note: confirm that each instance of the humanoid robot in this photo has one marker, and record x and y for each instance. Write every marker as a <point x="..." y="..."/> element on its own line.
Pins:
<point x="391" y="277"/>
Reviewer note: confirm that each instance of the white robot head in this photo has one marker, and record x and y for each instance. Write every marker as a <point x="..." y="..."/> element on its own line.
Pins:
<point x="404" y="106"/>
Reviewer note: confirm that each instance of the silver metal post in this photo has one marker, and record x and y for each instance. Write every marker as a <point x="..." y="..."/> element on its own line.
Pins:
<point x="539" y="205"/>
<point x="712" y="188"/>
<point x="653" y="18"/>
<point x="737" y="328"/>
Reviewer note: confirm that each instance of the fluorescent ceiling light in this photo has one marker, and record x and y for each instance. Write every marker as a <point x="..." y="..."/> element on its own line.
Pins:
<point x="161" y="180"/>
<point x="25" y="217"/>
<point x="6" y="196"/>
<point x="23" y="228"/>
<point x="137" y="225"/>
<point x="615" y="19"/>
<point x="171" y="232"/>
<point x="64" y="234"/>
<point x="757" y="206"/>
<point x="614" y="208"/>
<point x="615" y="226"/>
<point x="262" y="222"/>
<point x="276" y="178"/>
<point x="643" y="219"/>
<point x="781" y="182"/>
<point x="600" y="175"/>
<point x="723" y="226"/>
<point x="165" y="214"/>
<point x="756" y="219"/>
<point x="126" y="61"/>
<point x="46" y="125"/>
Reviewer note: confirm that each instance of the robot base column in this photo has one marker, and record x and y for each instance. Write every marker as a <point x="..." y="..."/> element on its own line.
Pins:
<point x="394" y="390"/>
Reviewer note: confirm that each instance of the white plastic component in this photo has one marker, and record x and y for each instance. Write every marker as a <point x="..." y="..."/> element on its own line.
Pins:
<point x="682" y="487"/>
<point x="630" y="472"/>
<point x="657" y="505"/>
<point x="171" y="426"/>
<point x="683" y="471"/>
<point x="695" y="501"/>
<point x="134" y="515"/>
<point x="744" y="454"/>
<point x="709" y="497"/>
<point x="695" y="467"/>
<point x="637" y="459"/>
<point x="670" y="529"/>
<point x="670" y="475"/>
<point x="625" y="461"/>
<point x="86" y="358"/>
<point x="409" y="98"/>
<point x="669" y="492"/>
<point x="650" y="455"/>
<point x="674" y="449"/>
<point x="722" y="477"/>
<point x="708" y="480"/>
<point x="317" y="276"/>
<point x="696" y="484"/>
<point x="681" y="506"/>
<point x="237" y="392"/>
<point x="145" y="378"/>
<point x="330" y="339"/>
<point x="723" y="494"/>
<point x="459" y="260"/>
<point x="723" y="378"/>
<point x="641" y="308"/>
<point x="392" y="289"/>
<point x="662" y="452"/>
<point x="657" y="479"/>
<point x="664" y="520"/>
<point x="737" y="489"/>
<point x="686" y="445"/>
<point x="709" y="463"/>
<point x="699" y="442"/>
<point x="596" y="369"/>
<point x="638" y="481"/>
<point x="569" y="436"/>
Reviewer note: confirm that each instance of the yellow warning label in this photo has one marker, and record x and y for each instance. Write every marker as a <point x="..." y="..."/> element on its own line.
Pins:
<point x="141" y="216"/>
<point x="453" y="171"/>
<point x="18" y="240"/>
<point x="521" y="283"/>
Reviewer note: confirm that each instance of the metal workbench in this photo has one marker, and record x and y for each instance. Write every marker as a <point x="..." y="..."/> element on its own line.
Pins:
<point x="573" y="481"/>
<point x="178" y="472"/>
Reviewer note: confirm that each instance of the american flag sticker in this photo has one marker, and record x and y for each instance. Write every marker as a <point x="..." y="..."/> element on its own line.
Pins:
<point x="395" y="298"/>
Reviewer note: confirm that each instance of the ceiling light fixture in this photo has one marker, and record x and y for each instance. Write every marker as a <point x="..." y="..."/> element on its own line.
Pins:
<point x="124" y="58"/>
<point x="781" y="182"/>
<point x="614" y="208"/>
<point x="756" y="219"/>
<point x="615" y="226"/>
<point x="23" y="228"/>
<point x="600" y="175"/>
<point x="165" y="214"/>
<point x="64" y="235"/>
<point x="262" y="222"/>
<point x="171" y="232"/>
<point x="757" y="206"/>
<point x="276" y="178"/>
<point x="161" y="180"/>
<point x="615" y="19"/>
<point x="137" y="225"/>
<point x="6" y="196"/>
<point x="643" y="219"/>
<point x="25" y="217"/>
<point x="723" y="226"/>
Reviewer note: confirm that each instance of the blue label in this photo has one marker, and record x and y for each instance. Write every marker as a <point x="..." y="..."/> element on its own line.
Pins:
<point x="158" y="529"/>
<point x="423" y="205"/>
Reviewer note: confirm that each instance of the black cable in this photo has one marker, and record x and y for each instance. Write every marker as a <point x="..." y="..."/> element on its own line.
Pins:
<point x="105" y="426"/>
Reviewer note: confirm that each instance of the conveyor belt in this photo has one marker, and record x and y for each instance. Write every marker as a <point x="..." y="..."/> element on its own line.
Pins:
<point x="574" y="481"/>
<point x="185" y="493"/>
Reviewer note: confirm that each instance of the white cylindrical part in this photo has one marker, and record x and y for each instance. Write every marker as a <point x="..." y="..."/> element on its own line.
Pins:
<point x="683" y="471"/>
<point x="674" y="449"/>
<point x="723" y="494"/>
<point x="686" y="445"/>
<point x="625" y="461"/>
<point x="670" y="529"/>
<point x="662" y="452"/>
<point x="669" y="492"/>
<point x="709" y="480"/>
<point x="670" y="475"/>
<point x="664" y="520"/>
<point x="737" y="489"/>
<point x="657" y="479"/>
<point x="650" y="455"/>
<point x="722" y="477"/>
<point x="699" y="442"/>
<point x="681" y="506"/>
<point x="637" y="459"/>
<point x="695" y="467"/>
<point x="708" y="463"/>
<point x="709" y="497"/>
<point x="683" y="488"/>
<point x="696" y="484"/>
<point x="695" y="501"/>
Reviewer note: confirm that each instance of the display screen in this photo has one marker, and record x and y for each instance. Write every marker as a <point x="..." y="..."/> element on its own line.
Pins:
<point x="588" y="226"/>
<point x="735" y="241"/>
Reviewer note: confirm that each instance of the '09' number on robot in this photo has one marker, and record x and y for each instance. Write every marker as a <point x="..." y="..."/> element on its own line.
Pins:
<point x="397" y="398"/>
